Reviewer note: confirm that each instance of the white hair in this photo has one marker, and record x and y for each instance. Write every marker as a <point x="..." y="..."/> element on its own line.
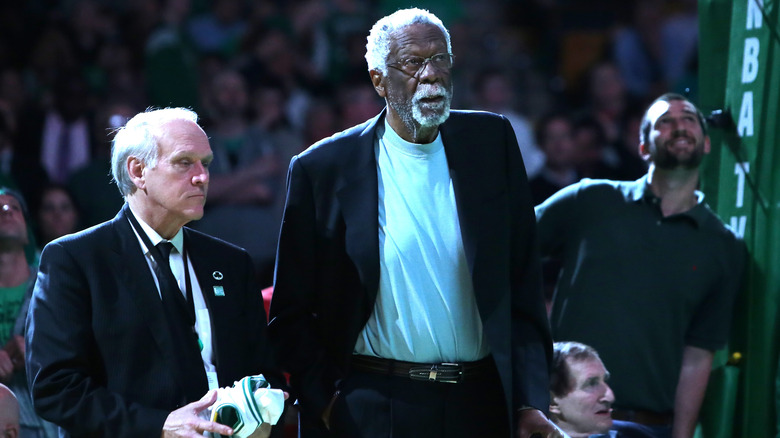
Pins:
<point x="138" y="138"/>
<point x="378" y="41"/>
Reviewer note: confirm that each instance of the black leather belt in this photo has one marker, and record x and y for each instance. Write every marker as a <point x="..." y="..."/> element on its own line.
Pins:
<point x="433" y="372"/>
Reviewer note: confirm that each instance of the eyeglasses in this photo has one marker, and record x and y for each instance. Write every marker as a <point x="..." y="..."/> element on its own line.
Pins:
<point x="413" y="65"/>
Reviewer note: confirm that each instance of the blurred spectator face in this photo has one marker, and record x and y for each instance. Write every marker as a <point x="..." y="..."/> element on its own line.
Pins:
<point x="589" y="149"/>
<point x="358" y="104"/>
<point x="558" y="144"/>
<point x="321" y="121"/>
<point x="230" y="94"/>
<point x="57" y="215"/>
<point x="587" y="408"/>
<point x="496" y="93"/>
<point x="269" y="105"/>
<point x="607" y="90"/>
<point x="12" y="224"/>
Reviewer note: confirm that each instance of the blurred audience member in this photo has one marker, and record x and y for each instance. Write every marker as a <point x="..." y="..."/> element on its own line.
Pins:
<point x="357" y="103"/>
<point x="554" y="137"/>
<point x="91" y="185"/>
<point x="65" y="141"/>
<point x="18" y="170"/>
<point x="219" y="30"/>
<point x="493" y="91"/>
<point x="630" y="166"/>
<point x="591" y="145"/>
<point x="607" y="99"/>
<point x="170" y="60"/>
<point x="57" y="214"/>
<point x="244" y="175"/>
<point x="18" y="268"/>
<point x="638" y="49"/>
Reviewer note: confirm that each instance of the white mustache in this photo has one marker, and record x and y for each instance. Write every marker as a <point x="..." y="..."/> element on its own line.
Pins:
<point x="425" y="91"/>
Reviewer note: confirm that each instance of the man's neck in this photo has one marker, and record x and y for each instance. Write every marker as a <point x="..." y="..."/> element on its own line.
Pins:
<point x="411" y="131"/>
<point x="157" y="220"/>
<point x="676" y="188"/>
<point x="14" y="269"/>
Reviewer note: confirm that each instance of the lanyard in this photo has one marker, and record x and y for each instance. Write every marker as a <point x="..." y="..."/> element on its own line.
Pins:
<point x="155" y="252"/>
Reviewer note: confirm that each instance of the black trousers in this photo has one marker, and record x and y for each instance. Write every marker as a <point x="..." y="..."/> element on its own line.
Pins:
<point x="385" y="406"/>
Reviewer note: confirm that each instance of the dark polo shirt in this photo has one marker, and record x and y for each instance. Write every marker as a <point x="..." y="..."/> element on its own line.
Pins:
<point x="638" y="286"/>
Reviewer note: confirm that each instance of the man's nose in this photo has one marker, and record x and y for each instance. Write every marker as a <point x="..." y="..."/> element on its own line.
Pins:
<point x="202" y="175"/>
<point x="609" y="396"/>
<point x="428" y="72"/>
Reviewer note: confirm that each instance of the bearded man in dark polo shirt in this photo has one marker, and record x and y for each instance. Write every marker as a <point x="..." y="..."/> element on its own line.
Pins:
<point x="649" y="272"/>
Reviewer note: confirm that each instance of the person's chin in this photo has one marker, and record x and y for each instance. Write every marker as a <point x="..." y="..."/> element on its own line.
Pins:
<point x="604" y="422"/>
<point x="433" y="116"/>
<point x="194" y="213"/>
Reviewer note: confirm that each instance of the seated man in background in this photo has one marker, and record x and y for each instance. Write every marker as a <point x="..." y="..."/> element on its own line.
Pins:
<point x="580" y="398"/>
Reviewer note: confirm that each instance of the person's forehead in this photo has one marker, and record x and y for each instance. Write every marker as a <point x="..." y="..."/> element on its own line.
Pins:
<point x="176" y="135"/>
<point x="586" y="368"/>
<point x="417" y="35"/>
<point x="661" y="107"/>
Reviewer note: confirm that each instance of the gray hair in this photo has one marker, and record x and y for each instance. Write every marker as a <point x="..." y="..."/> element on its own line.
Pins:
<point x="138" y="138"/>
<point x="560" y="374"/>
<point x="378" y="41"/>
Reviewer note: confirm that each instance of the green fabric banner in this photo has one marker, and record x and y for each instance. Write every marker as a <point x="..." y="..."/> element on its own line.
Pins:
<point x="739" y="74"/>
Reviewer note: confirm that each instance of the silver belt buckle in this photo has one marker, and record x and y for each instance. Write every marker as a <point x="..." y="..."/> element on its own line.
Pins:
<point x="443" y="373"/>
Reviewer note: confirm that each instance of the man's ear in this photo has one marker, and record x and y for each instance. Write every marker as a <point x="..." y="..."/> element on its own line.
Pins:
<point x="378" y="80"/>
<point x="135" y="169"/>
<point x="644" y="152"/>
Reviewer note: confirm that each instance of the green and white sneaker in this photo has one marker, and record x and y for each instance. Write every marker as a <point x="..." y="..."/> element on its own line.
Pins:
<point x="246" y="405"/>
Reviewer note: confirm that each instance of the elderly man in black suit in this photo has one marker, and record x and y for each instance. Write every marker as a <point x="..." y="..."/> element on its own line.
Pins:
<point x="134" y="321"/>
<point x="408" y="296"/>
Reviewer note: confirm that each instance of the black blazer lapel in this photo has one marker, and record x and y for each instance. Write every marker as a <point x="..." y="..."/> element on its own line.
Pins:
<point x="133" y="270"/>
<point x="359" y="199"/>
<point x="459" y="148"/>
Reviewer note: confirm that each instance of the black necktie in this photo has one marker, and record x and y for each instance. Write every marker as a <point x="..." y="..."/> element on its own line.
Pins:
<point x="182" y="326"/>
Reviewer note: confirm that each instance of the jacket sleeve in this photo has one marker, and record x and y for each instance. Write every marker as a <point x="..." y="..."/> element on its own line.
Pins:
<point x="530" y="331"/>
<point x="293" y="313"/>
<point x="64" y="370"/>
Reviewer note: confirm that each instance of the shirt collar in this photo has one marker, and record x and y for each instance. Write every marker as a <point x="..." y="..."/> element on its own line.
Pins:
<point x="155" y="238"/>
<point x="639" y="190"/>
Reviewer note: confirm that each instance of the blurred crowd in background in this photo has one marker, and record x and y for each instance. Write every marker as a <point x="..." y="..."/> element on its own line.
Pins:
<point x="271" y="77"/>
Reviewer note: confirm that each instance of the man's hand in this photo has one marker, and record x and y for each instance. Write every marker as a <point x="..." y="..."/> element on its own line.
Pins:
<point x="185" y="422"/>
<point x="15" y="349"/>
<point x="6" y="366"/>
<point x="533" y="424"/>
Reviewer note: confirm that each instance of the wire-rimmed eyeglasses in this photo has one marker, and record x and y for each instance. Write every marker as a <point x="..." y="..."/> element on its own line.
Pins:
<point x="413" y="65"/>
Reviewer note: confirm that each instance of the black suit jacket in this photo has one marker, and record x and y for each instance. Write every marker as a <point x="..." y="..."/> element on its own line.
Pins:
<point x="327" y="271"/>
<point x="99" y="356"/>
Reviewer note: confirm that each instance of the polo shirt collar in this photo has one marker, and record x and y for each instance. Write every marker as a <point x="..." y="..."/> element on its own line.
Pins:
<point x="639" y="190"/>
